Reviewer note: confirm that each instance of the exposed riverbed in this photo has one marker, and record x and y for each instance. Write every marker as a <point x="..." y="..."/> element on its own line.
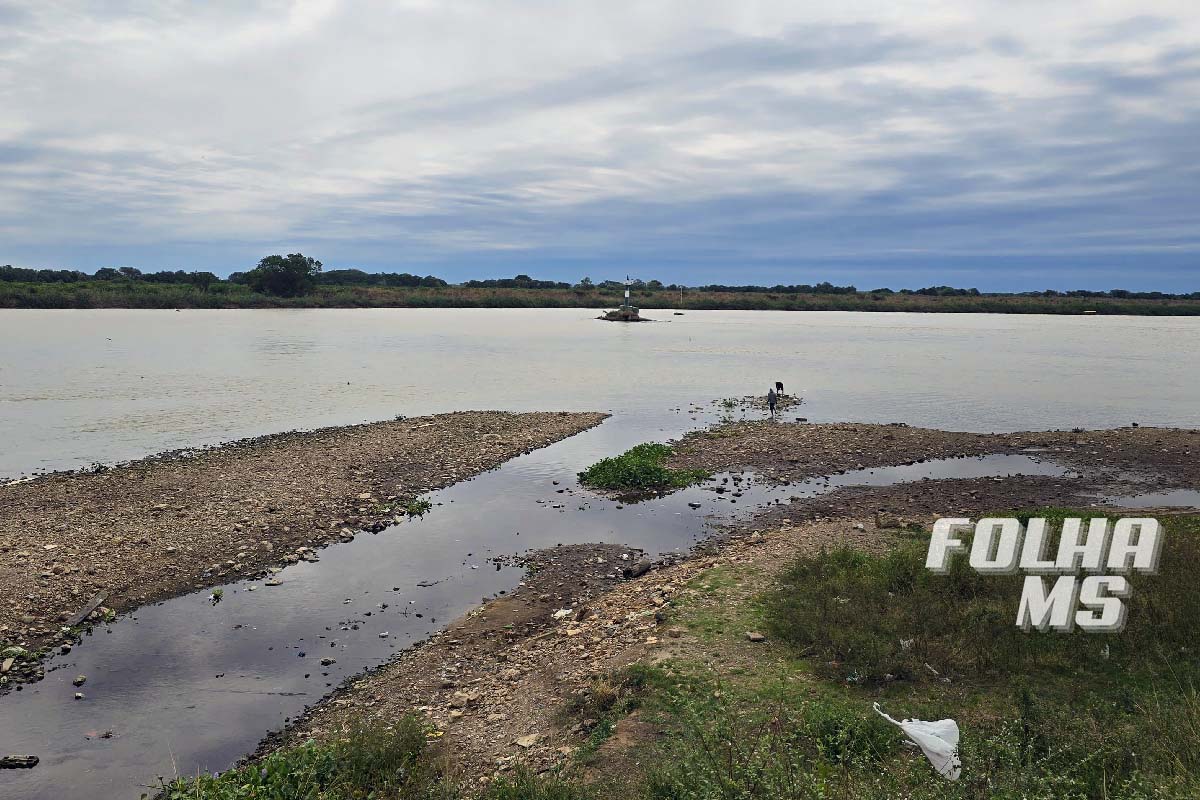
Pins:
<point x="186" y="684"/>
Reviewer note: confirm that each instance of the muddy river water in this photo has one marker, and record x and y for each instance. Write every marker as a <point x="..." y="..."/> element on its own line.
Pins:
<point x="189" y="685"/>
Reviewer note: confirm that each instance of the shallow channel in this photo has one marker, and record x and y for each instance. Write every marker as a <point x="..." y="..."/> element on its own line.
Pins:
<point x="185" y="685"/>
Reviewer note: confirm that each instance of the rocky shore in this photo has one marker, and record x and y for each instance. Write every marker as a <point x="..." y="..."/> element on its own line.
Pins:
<point x="82" y="545"/>
<point x="500" y="684"/>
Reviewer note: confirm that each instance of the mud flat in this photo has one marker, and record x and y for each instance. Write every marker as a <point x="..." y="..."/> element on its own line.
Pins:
<point x="505" y="685"/>
<point x="163" y="526"/>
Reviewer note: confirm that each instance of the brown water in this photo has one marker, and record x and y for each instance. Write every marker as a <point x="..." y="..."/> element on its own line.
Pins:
<point x="84" y="386"/>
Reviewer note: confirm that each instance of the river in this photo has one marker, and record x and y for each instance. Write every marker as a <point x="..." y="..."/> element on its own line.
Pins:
<point x="188" y="685"/>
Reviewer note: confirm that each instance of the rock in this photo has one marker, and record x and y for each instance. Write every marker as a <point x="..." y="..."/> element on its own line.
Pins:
<point x="693" y="505"/>
<point x="18" y="762"/>
<point x="463" y="699"/>
<point x="6" y="665"/>
<point x="79" y="695"/>
<point x="883" y="520"/>
<point x="526" y="742"/>
<point x="325" y="662"/>
<point x="755" y="636"/>
<point x="79" y="680"/>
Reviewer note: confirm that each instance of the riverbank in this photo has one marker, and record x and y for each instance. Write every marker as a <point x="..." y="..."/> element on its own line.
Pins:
<point x="141" y="294"/>
<point x="140" y="532"/>
<point x="608" y="681"/>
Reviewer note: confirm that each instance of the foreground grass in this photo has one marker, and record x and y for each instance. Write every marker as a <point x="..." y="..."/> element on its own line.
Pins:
<point x="641" y="468"/>
<point x="1042" y="715"/>
<point x="392" y="763"/>
<point x="377" y="763"/>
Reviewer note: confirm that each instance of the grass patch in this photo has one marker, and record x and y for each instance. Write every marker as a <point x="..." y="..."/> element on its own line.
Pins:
<point x="641" y="468"/>
<point x="874" y="619"/>
<point x="391" y="763"/>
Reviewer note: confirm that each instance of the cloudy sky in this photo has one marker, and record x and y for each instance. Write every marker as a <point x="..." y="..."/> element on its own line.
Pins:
<point x="1016" y="144"/>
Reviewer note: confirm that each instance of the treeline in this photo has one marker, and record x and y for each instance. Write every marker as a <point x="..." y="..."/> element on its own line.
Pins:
<point x="299" y="281"/>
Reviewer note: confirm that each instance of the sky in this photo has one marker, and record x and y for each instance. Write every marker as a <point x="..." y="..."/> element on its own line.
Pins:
<point x="1009" y="145"/>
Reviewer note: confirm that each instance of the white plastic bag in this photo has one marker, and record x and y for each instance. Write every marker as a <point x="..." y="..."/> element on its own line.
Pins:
<point x="937" y="740"/>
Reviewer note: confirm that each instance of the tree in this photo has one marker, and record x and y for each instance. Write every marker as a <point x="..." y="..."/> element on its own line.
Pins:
<point x="202" y="280"/>
<point x="586" y="283"/>
<point x="133" y="273"/>
<point x="289" y="276"/>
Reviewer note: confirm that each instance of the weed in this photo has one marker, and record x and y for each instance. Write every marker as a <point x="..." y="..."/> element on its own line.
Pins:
<point x="417" y="508"/>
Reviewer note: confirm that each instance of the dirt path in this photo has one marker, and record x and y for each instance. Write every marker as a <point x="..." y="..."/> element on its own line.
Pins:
<point x="167" y="525"/>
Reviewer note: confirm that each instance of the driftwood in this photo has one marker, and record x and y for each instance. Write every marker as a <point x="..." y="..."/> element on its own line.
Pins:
<point x="640" y="568"/>
<point x="91" y="606"/>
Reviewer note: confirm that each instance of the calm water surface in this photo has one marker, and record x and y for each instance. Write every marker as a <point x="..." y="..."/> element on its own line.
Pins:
<point x="83" y="386"/>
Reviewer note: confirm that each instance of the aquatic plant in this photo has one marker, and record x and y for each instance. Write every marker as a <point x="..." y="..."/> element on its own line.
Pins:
<point x="641" y="468"/>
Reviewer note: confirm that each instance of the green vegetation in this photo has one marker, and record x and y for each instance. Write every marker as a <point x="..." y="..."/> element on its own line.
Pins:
<point x="376" y="763"/>
<point x="292" y="276"/>
<point x="878" y="618"/>
<point x="1042" y="715"/>
<point x="370" y="763"/>
<point x="297" y="281"/>
<point x="641" y="468"/>
<point x="417" y="508"/>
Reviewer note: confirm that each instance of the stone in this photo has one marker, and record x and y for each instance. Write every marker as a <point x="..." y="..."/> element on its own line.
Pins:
<point x="526" y="742"/>
<point x="79" y="680"/>
<point x="755" y="636"/>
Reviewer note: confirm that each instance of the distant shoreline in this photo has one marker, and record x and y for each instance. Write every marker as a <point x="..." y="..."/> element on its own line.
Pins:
<point x="122" y="294"/>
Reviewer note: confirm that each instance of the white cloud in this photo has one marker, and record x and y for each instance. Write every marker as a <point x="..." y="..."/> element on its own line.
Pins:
<point x="450" y="128"/>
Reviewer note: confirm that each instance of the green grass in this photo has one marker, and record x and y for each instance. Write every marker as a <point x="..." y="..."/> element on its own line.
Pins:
<point x="873" y="619"/>
<point x="641" y="468"/>
<point x="379" y="763"/>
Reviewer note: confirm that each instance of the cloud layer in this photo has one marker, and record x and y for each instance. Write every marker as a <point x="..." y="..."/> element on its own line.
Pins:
<point x="997" y="144"/>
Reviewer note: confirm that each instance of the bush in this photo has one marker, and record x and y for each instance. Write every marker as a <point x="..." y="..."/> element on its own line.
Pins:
<point x="640" y="468"/>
